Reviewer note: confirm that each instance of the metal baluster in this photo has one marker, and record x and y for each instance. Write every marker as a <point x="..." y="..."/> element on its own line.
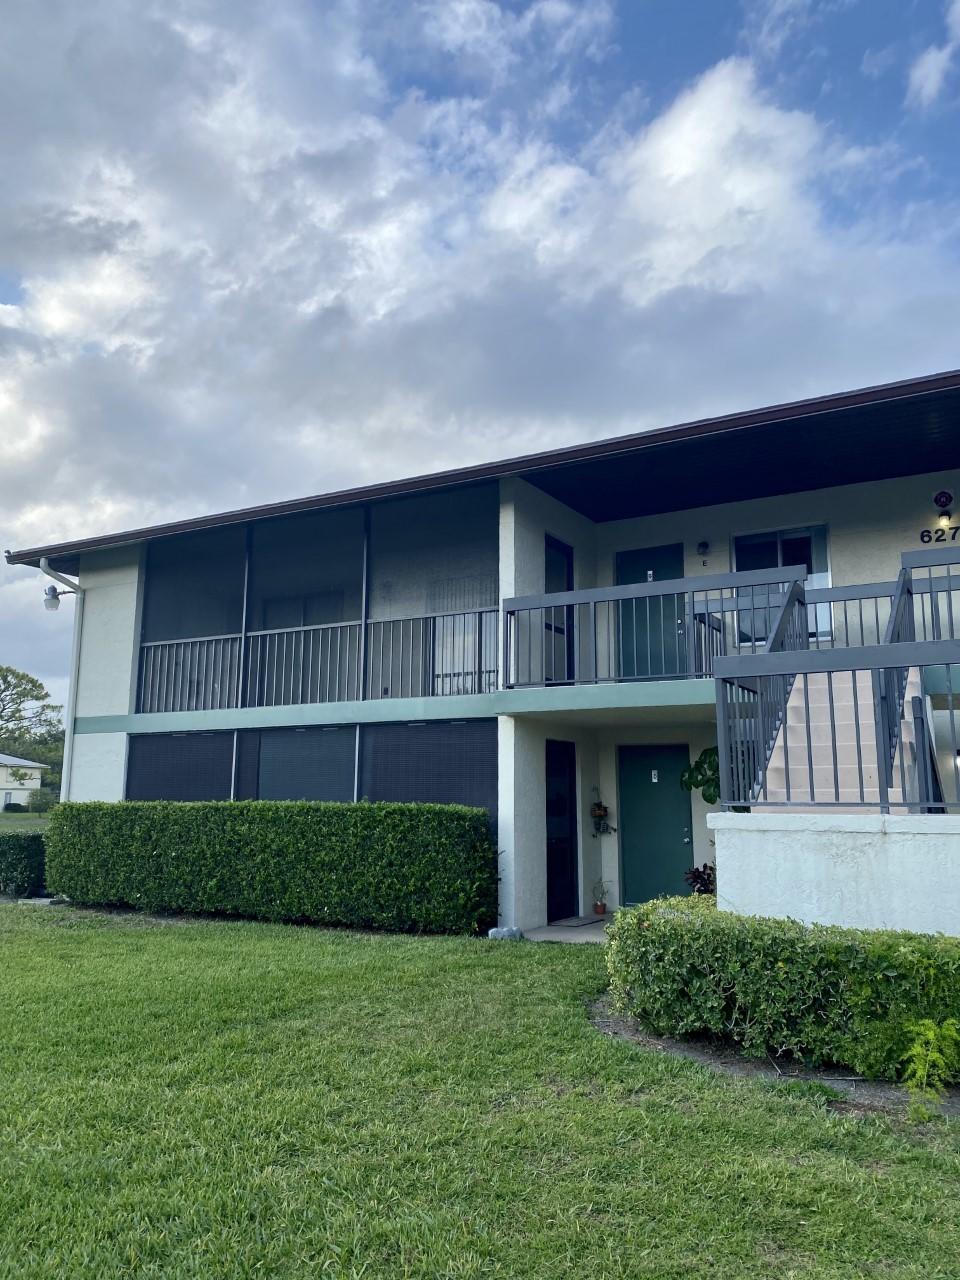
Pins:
<point x="954" y="749"/>
<point x="901" y="754"/>
<point x="202" y="675"/>
<point x="833" y="738"/>
<point x="806" y="709"/>
<point x="381" y="689"/>
<point x="952" y="632"/>
<point x="163" y="681"/>
<point x="856" y="732"/>
<point x="880" y="722"/>
<point x="736" y="732"/>
<point x="783" y="692"/>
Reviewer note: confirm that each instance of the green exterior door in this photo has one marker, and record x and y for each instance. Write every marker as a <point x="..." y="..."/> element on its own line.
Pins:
<point x="656" y="837"/>
<point x="652" y="629"/>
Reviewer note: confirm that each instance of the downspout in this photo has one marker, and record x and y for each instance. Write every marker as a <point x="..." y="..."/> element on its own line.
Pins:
<point x="74" y="674"/>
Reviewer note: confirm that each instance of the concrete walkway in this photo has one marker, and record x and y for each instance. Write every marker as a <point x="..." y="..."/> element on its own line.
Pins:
<point x="593" y="932"/>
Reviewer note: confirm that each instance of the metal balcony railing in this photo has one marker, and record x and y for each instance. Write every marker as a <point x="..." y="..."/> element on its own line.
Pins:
<point x="286" y="668"/>
<point x="189" y="675"/>
<point x="648" y="631"/>
<point x="434" y="656"/>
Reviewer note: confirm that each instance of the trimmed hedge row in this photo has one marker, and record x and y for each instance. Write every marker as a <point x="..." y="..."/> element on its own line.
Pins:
<point x="823" y="994"/>
<point x="412" y="867"/>
<point x="21" y="863"/>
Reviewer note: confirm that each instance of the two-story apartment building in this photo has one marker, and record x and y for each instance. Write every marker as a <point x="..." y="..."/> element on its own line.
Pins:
<point x="553" y="633"/>
<point x="18" y="778"/>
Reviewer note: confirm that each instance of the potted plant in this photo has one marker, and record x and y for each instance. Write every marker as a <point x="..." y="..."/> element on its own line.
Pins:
<point x="600" y="891"/>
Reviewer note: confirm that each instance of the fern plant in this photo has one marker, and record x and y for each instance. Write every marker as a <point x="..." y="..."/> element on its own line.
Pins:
<point x="929" y="1065"/>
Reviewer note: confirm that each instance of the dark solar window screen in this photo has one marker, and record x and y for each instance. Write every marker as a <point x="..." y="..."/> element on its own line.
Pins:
<point x="307" y="764"/>
<point x="434" y="762"/>
<point x="180" y="766"/>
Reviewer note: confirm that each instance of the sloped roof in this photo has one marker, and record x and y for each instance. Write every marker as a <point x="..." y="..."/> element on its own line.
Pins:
<point x="17" y="763"/>
<point x="897" y="428"/>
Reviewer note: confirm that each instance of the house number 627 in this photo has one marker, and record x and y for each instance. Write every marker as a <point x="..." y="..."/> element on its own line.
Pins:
<point x="940" y="535"/>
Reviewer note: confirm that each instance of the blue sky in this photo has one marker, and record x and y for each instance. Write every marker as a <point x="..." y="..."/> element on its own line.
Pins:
<point x="252" y="251"/>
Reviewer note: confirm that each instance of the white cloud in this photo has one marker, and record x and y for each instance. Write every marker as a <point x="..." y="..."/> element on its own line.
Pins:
<point x="497" y="37"/>
<point x="928" y="74"/>
<point x="930" y="70"/>
<point x="771" y="23"/>
<point x="258" y="262"/>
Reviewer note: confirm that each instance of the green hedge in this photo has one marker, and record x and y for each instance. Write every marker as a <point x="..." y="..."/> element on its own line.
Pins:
<point x="21" y="863"/>
<point x="418" y="867"/>
<point x="823" y="994"/>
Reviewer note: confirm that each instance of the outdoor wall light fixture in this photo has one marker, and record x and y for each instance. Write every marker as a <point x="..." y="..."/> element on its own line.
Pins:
<point x="703" y="548"/>
<point x="51" y="597"/>
<point x="943" y="501"/>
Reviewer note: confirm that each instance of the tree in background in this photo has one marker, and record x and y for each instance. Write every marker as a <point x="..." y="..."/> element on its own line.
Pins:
<point x="30" y="727"/>
<point x="25" y="707"/>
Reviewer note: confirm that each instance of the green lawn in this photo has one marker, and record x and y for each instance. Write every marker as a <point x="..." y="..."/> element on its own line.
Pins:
<point x="23" y="821"/>
<point x="234" y="1100"/>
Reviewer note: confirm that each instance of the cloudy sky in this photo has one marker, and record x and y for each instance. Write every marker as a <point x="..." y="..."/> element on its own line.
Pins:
<point x="250" y="251"/>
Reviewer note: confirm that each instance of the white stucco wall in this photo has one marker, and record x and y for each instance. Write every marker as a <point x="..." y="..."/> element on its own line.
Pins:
<point x="869" y="871"/>
<point x="522" y="829"/>
<point x="110" y="640"/>
<point x="99" y="766"/>
<point x="527" y="515"/>
<point x="869" y="525"/>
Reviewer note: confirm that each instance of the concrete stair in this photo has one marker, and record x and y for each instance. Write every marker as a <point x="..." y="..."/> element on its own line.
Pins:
<point x="840" y="763"/>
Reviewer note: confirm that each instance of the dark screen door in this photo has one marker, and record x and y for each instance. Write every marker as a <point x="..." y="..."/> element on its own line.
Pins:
<point x="562" y="878"/>
<point x="558" y="656"/>
<point x="655" y="836"/>
<point x="653" y="628"/>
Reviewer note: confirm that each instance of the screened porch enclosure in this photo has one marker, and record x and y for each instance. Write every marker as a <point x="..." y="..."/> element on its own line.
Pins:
<point x="333" y="606"/>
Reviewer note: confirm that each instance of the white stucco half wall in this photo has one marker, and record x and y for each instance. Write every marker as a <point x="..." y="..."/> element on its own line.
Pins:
<point x="866" y="871"/>
<point x="99" y="766"/>
<point x="109" y="646"/>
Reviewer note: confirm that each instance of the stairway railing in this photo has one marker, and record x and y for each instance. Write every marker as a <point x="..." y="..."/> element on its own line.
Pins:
<point x="922" y="634"/>
<point x="750" y="711"/>
<point x="890" y="683"/>
<point x="839" y="740"/>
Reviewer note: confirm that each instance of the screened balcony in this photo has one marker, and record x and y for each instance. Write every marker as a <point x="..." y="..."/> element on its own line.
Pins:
<point x="399" y="602"/>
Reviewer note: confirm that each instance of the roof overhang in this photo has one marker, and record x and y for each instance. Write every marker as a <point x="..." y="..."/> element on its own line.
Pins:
<point x="899" y="428"/>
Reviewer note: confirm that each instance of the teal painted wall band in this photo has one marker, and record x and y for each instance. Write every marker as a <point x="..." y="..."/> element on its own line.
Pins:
<point x="505" y="702"/>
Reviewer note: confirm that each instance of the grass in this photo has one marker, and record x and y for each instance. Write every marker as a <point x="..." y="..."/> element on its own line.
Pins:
<point x="231" y="1100"/>
<point x="23" y="821"/>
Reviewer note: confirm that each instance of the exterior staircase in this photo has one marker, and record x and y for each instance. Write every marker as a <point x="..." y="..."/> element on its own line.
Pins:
<point x="838" y="750"/>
